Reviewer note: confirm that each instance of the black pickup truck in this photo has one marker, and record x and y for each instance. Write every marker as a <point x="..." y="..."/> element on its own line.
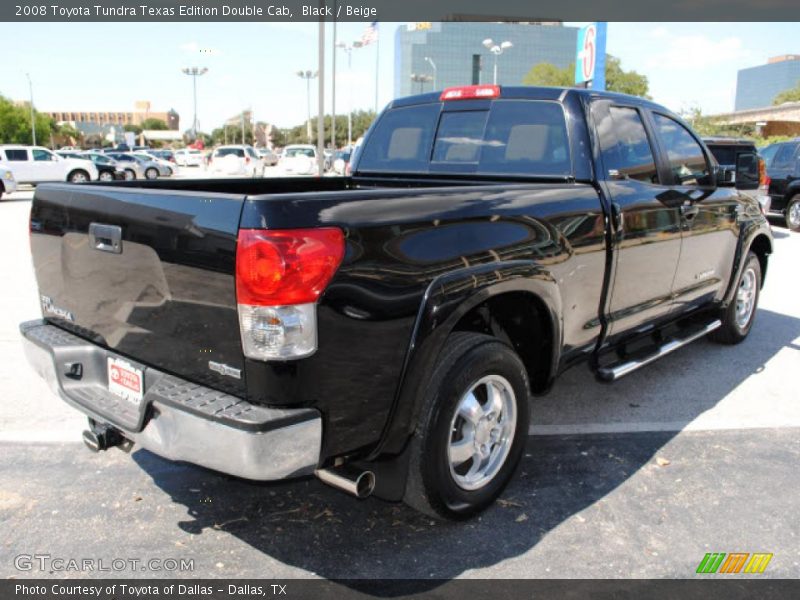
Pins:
<point x="385" y="331"/>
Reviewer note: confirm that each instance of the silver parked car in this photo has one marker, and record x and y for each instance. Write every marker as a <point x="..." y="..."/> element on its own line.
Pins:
<point x="165" y="169"/>
<point x="135" y="165"/>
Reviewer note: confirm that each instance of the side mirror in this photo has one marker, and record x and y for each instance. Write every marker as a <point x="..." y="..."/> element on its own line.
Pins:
<point x="747" y="172"/>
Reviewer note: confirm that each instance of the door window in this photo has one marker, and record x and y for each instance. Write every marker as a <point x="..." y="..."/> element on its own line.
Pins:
<point x="630" y="155"/>
<point x="687" y="161"/>
<point x="784" y="156"/>
<point x="42" y="155"/>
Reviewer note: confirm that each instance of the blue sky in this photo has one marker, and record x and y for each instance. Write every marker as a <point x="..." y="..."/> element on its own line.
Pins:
<point x="108" y="66"/>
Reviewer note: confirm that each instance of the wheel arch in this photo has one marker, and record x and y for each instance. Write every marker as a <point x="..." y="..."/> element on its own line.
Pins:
<point x="475" y="299"/>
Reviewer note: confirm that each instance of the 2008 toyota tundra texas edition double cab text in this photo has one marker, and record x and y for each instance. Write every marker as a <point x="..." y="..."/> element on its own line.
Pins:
<point x="386" y="330"/>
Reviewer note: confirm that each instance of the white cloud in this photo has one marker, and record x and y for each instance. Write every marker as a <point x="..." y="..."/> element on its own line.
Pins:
<point x="693" y="52"/>
<point x="659" y="32"/>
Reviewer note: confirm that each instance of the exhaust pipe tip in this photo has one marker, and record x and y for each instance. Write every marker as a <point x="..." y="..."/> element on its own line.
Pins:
<point x="91" y="440"/>
<point x="365" y="484"/>
<point x="360" y="484"/>
<point x="100" y="436"/>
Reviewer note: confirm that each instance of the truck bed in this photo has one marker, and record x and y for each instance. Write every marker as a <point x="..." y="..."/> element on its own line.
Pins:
<point x="168" y="299"/>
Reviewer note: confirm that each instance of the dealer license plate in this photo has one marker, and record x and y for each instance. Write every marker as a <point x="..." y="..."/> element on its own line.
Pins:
<point x="125" y="380"/>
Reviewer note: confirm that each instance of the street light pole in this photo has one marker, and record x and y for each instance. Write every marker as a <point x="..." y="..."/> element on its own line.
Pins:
<point x="429" y="60"/>
<point x="308" y="76"/>
<point x="348" y="48"/>
<point x="33" y="118"/>
<point x="194" y="73"/>
<point x="497" y="50"/>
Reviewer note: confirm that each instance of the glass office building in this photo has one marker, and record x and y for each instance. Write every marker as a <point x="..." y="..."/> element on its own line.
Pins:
<point x="757" y="87"/>
<point x="456" y="48"/>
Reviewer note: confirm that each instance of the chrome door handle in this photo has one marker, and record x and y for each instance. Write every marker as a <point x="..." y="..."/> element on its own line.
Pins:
<point x="106" y="238"/>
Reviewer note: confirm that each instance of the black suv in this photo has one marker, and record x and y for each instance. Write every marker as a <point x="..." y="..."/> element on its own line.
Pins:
<point x="729" y="151"/>
<point x="783" y="168"/>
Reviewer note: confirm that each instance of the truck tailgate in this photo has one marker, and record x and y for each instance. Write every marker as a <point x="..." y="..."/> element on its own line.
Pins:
<point x="146" y="273"/>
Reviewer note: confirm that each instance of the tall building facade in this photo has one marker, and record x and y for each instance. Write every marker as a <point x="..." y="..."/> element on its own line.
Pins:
<point x="756" y="87"/>
<point x="460" y="58"/>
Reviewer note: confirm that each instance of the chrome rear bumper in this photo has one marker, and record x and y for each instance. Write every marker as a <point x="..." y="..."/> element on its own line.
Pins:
<point x="181" y="420"/>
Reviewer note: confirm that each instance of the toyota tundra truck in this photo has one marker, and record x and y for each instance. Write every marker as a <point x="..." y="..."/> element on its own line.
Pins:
<point x="386" y="331"/>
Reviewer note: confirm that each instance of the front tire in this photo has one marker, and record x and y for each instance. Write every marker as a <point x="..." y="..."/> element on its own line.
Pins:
<point x="472" y="428"/>
<point x="737" y="320"/>
<point x="106" y="176"/>
<point x="792" y="215"/>
<point x="130" y="174"/>
<point x="151" y="173"/>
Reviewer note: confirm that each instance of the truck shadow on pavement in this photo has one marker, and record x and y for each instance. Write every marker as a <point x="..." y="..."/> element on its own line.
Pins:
<point x="317" y="529"/>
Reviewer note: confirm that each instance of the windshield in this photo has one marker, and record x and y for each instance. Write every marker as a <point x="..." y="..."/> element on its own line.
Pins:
<point x="99" y="159"/>
<point x="515" y="137"/>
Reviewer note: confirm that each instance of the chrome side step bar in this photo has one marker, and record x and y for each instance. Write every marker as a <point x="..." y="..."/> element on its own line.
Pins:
<point x="615" y="371"/>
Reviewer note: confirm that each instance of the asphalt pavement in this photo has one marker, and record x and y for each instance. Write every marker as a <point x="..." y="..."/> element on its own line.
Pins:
<point x="696" y="453"/>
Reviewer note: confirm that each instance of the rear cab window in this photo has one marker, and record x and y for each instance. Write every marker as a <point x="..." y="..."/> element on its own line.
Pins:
<point x="504" y="137"/>
<point x="239" y="152"/>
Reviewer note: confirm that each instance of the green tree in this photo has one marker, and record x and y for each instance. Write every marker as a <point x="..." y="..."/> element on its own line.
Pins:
<point x="132" y="128"/>
<point x="154" y="124"/>
<point x="15" y="124"/>
<point x="705" y="125"/>
<point x="625" y="82"/>
<point x="549" y="75"/>
<point x="790" y="95"/>
<point x="361" y="120"/>
<point x="617" y="79"/>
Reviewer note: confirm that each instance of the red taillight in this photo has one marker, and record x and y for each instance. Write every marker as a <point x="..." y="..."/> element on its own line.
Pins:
<point x="284" y="267"/>
<point x="466" y="92"/>
<point x="247" y="160"/>
<point x="763" y="178"/>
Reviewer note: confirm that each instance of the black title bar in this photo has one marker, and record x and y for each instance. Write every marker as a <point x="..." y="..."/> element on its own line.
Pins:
<point x="398" y="10"/>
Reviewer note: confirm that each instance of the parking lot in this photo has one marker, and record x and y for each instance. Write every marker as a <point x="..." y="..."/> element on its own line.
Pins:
<point x="697" y="453"/>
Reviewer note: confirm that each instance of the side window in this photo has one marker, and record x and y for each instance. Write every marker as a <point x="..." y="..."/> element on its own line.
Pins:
<point x="628" y="152"/>
<point x="41" y="155"/>
<point x="17" y="155"/>
<point x="686" y="158"/>
<point x="784" y="156"/>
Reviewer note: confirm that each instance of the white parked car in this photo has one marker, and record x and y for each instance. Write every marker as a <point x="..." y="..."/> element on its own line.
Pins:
<point x="236" y="160"/>
<point x="299" y="159"/>
<point x="35" y="164"/>
<point x="189" y="157"/>
<point x="8" y="185"/>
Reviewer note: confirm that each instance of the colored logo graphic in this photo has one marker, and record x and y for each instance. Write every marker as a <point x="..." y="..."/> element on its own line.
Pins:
<point x="735" y="562"/>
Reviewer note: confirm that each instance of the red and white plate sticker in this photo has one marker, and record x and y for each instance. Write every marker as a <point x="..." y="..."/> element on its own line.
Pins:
<point x="125" y="380"/>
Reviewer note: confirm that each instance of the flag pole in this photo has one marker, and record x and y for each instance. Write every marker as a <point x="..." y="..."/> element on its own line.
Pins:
<point x="377" y="63"/>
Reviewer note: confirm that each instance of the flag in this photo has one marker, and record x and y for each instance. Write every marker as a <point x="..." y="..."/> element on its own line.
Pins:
<point x="370" y="34"/>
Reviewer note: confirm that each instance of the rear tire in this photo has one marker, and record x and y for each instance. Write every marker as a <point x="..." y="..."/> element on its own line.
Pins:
<point x="151" y="173"/>
<point x="106" y="176"/>
<point x="472" y="428"/>
<point x="130" y="174"/>
<point x="737" y="320"/>
<point x="792" y="215"/>
<point x="78" y="176"/>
